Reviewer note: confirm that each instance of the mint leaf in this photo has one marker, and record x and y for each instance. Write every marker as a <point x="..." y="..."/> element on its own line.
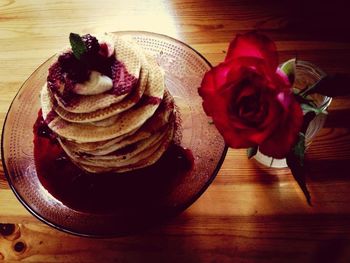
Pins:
<point x="77" y="44"/>
<point x="331" y="86"/>
<point x="295" y="161"/>
<point x="289" y="69"/>
<point x="252" y="151"/>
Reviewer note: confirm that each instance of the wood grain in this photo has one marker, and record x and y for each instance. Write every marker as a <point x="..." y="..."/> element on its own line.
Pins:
<point x="250" y="213"/>
<point x="189" y="239"/>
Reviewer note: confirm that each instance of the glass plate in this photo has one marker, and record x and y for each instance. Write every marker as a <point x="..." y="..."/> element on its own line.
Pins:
<point x="184" y="69"/>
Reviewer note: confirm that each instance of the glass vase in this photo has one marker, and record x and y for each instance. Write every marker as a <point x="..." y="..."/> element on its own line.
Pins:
<point x="306" y="75"/>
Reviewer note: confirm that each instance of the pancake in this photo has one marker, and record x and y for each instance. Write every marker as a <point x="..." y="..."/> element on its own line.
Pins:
<point x="127" y="155"/>
<point x="161" y="117"/>
<point x="109" y="106"/>
<point x="92" y="146"/>
<point x="119" y="160"/>
<point x="130" y="59"/>
<point x="111" y="110"/>
<point x="126" y="122"/>
<point x="146" y="158"/>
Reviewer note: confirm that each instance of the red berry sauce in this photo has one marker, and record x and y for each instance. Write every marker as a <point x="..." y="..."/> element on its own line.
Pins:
<point x="149" y="100"/>
<point x="131" y="193"/>
<point x="123" y="82"/>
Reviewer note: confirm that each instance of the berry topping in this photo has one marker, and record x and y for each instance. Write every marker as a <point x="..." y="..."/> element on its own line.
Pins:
<point x="102" y="64"/>
<point x="91" y="44"/>
<point x="55" y="78"/>
<point x="85" y="48"/>
<point x="59" y="82"/>
<point x="89" y="54"/>
<point x="123" y="82"/>
<point x="106" y="45"/>
<point x="75" y="69"/>
<point x="106" y="48"/>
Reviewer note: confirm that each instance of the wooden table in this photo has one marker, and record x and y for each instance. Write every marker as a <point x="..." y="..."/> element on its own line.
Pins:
<point x="249" y="213"/>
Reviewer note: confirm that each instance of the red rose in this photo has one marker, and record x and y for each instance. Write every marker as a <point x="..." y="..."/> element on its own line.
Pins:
<point x="250" y="100"/>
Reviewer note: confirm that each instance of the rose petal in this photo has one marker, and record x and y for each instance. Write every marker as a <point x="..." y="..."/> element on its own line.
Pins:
<point x="283" y="77"/>
<point x="255" y="45"/>
<point x="219" y="99"/>
<point x="236" y="133"/>
<point x="215" y="78"/>
<point x="284" y="137"/>
<point x="213" y="82"/>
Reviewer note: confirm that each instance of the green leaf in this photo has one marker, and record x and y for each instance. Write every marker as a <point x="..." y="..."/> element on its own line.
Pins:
<point x="299" y="148"/>
<point x="331" y="86"/>
<point x="78" y="46"/>
<point x="289" y="69"/>
<point x="252" y="151"/>
<point x="301" y="99"/>
<point x="308" y="117"/>
<point x="309" y="108"/>
<point x="295" y="161"/>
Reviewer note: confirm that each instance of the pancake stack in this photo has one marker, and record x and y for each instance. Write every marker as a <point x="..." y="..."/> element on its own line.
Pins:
<point x="108" y="105"/>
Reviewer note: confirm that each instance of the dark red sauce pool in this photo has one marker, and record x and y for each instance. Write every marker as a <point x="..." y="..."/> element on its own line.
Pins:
<point x="109" y="192"/>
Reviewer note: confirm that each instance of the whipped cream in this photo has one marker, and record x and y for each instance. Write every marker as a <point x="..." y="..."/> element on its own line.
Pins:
<point x="96" y="84"/>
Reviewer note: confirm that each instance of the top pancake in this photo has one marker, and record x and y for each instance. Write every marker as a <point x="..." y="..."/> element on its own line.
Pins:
<point x="130" y="59"/>
<point x="111" y="110"/>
